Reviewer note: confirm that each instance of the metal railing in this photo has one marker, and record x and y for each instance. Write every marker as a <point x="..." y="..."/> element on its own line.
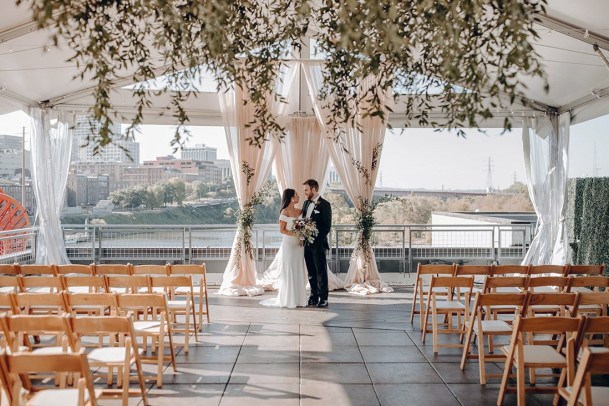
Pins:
<point x="18" y="245"/>
<point x="403" y="244"/>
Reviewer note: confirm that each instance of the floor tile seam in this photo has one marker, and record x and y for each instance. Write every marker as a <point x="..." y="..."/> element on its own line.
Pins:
<point x="233" y="368"/>
<point x="367" y="370"/>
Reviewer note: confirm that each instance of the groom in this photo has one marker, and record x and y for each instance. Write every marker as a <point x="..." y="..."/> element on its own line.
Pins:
<point x="319" y="210"/>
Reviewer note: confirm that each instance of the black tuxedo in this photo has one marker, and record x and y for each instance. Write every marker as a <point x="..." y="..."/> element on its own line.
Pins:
<point x="315" y="253"/>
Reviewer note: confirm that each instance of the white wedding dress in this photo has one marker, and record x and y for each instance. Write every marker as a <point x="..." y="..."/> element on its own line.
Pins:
<point x="293" y="278"/>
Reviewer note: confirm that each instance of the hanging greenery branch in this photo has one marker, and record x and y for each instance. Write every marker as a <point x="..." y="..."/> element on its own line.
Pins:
<point x="246" y="216"/>
<point x="460" y="57"/>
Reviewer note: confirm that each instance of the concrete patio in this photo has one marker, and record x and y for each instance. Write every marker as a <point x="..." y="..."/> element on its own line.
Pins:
<point x="359" y="351"/>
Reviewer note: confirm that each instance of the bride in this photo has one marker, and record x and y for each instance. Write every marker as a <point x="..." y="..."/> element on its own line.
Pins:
<point x="292" y="280"/>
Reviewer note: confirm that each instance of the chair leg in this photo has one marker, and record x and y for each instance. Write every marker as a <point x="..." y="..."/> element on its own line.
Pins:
<point x="520" y="382"/>
<point x="466" y="346"/>
<point x="414" y="301"/>
<point x="504" y="380"/>
<point x="434" y="326"/>
<point x="425" y="321"/>
<point x="482" y="361"/>
<point x="160" y="361"/>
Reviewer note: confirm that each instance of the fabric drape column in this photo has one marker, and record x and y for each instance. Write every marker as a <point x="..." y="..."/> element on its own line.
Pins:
<point x="51" y="148"/>
<point x="301" y="155"/>
<point x="251" y="167"/>
<point x="356" y="157"/>
<point x="545" y="145"/>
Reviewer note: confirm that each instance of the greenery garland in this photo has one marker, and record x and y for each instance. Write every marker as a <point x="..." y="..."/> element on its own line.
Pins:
<point x="477" y="53"/>
<point x="365" y="222"/>
<point x="246" y="216"/>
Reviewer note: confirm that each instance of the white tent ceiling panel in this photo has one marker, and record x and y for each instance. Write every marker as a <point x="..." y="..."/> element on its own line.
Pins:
<point x="36" y="75"/>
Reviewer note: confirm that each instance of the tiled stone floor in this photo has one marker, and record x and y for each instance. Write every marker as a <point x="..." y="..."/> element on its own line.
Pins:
<point x="359" y="351"/>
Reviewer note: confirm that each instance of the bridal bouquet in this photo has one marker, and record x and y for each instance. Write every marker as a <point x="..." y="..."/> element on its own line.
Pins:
<point x="306" y="230"/>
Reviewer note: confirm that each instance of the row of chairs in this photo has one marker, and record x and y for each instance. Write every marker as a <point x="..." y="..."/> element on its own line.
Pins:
<point x="481" y="272"/>
<point x="20" y="364"/>
<point x="574" y="335"/>
<point x="152" y="319"/>
<point x="174" y="279"/>
<point x="484" y="326"/>
<point x="102" y="269"/>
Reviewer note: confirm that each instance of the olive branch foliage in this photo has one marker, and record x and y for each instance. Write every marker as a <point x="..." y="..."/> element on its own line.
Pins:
<point x="463" y="58"/>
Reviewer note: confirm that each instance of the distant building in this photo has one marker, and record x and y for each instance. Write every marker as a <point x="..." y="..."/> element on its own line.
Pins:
<point x="114" y="170"/>
<point x="224" y="166"/>
<point x="11" y="156"/>
<point x="333" y="178"/>
<point x="200" y="152"/>
<point x="170" y="162"/>
<point x="120" y="150"/>
<point x="147" y="175"/>
<point x="13" y="189"/>
<point x="90" y="189"/>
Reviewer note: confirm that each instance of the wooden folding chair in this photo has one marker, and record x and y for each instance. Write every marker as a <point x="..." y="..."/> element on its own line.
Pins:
<point x="127" y="284"/>
<point x="481" y="327"/>
<point x="84" y="284"/>
<point x="36" y="270"/>
<point x="91" y="304"/>
<point x="40" y="303"/>
<point x="42" y="284"/>
<point x="505" y="284"/>
<point x="151" y="269"/>
<point x="7" y="303"/>
<point x="588" y="284"/>
<point x="9" y="283"/>
<point x="8" y="269"/>
<point x="112" y="269"/>
<point x="548" y="284"/>
<point x="151" y="320"/>
<point x="178" y="304"/>
<point x="511" y="270"/>
<point x="456" y="304"/>
<point x="18" y="330"/>
<point x="593" y="361"/>
<point x="16" y="368"/>
<point x="199" y="275"/>
<point x="547" y="270"/>
<point x="421" y="285"/>
<point x="589" y="270"/>
<point x="524" y="356"/>
<point x="74" y="269"/>
<point x="591" y="303"/>
<point x="479" y="272"/>
<point x="121" y="351"/>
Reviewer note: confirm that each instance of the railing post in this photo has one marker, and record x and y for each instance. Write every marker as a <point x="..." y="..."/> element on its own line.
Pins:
<point x="263" y="249"/>
<point x="409" y="250"/>
<point x="99" y="249"/>
<point x="337" y="259"/>
<point x="403" y="254"/>
<point x="499" y="254"/>
<point x="189" y="245"/>
<point x="93" y="239"/>
<point x="493" y="244"/>
<point x="183" y="245"/>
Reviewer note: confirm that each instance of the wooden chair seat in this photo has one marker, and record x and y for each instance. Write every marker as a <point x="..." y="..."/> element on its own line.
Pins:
<point x="494" y="326"/>
<point x="146" y="326"/>
<point x="449" y="305"/>
<point x="108" y="355"/>
<point x="539" y="356"/>
<point x="600" y="395"/>
<point x="59" y="397"/>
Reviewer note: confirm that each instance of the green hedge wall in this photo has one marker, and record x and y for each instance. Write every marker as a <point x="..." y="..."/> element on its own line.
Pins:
<point x="588" y="220"/>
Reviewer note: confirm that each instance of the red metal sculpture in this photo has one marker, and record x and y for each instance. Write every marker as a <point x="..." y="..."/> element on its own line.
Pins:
<point x="13" y="216"/>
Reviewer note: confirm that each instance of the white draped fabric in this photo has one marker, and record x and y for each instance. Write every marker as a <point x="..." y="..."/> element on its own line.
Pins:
<point x="240" y="274"/>
<point x="356" y="157"/>
<point x="51" y="147"/>
<point x="545" y="145"/>
<point x="301" y="155"/>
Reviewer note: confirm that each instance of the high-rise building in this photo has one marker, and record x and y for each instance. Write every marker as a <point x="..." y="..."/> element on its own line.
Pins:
<point x="120" y="150"/>
<point x="224" y="165"/>
<point x="200" y="152"/>
<point x="11" y="156"/>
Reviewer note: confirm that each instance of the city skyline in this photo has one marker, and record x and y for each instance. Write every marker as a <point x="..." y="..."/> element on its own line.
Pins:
<point x="416" y="158"/>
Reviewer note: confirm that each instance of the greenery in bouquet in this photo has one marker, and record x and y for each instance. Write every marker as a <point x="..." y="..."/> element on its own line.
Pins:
<point x="306" y="230"/>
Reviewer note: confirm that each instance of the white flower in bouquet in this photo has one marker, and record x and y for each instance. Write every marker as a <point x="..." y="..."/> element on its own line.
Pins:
<point x="306" y="230"/>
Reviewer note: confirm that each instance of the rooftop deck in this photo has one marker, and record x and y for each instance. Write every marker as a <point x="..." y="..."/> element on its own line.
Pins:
<point x="359" y="351"/>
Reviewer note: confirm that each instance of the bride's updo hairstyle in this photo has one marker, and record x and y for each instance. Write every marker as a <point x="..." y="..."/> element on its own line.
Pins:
<point x="286" y="198"/>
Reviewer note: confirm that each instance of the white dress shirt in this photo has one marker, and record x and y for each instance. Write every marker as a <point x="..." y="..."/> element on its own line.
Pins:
<point x="312" y="206"/>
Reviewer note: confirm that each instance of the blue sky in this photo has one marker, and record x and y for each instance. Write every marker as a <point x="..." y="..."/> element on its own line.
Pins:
<point x="418" y="158"/>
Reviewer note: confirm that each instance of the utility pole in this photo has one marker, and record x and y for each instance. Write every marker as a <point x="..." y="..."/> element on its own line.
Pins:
<point x="23" y="167"/>
<point x="489" y="177"/>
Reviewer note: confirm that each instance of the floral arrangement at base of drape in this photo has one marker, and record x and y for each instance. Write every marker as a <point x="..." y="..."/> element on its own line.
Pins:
<point x="51" y="148"/>
<point x="355" y="150"/>
<point x="545" y="144"/>
<point x="301" y="155"/>
<point x="251" y="167"/>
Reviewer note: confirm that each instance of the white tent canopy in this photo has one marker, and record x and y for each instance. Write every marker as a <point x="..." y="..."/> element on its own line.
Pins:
<point x="33" y="71"/>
